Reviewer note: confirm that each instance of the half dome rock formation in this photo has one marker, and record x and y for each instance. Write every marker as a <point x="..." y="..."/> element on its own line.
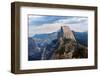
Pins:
<point x="68" y="46"/>
<point x="66" y="33"/>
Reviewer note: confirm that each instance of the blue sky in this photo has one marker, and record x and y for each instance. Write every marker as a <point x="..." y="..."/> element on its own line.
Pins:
<point x="39" y="24"/>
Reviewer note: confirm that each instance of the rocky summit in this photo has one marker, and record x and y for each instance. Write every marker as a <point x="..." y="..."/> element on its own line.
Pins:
<point x="66" y="33"/>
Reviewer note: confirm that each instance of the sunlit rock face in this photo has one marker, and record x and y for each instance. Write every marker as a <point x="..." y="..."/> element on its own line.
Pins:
<point x="65" y="32"/>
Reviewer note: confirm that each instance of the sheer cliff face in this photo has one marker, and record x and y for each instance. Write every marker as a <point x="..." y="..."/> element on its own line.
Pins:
<point x="66" y="33"/>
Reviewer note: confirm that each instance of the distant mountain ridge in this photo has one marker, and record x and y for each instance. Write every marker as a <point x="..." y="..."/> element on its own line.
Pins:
<point x="82" y="37"/>
<point x="49" y="37"/>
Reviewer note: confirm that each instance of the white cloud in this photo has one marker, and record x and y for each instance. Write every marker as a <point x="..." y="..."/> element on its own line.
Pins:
<point x="72" y="20"/>
<point x="75" y="24"/>
<point x="45" y="28"/>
